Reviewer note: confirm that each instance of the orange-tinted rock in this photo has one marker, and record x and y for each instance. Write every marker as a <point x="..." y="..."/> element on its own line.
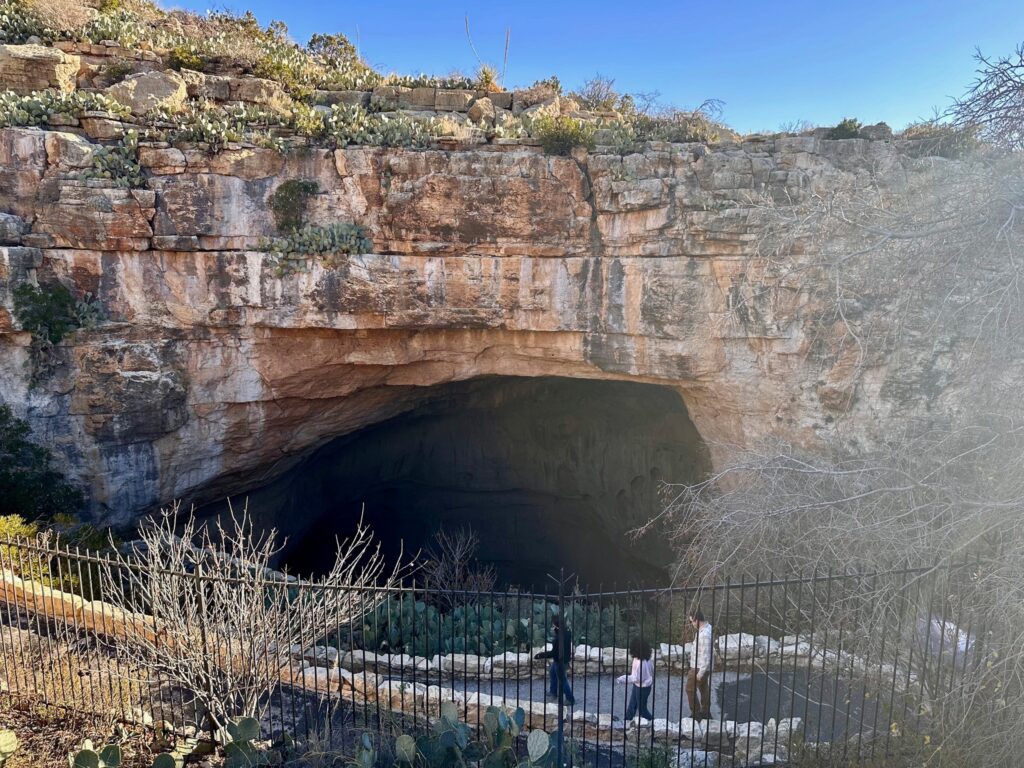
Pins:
<point x="85" y="214"/>
<point x="212" y="369"/>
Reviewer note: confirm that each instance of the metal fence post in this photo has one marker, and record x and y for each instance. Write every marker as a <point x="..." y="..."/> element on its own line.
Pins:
<point x="563" y="672"/>
<point x="203" y="637"/>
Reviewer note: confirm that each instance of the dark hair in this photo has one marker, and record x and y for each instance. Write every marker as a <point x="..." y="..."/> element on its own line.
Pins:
<point x="639" y="649"/>
<point x="555" y="620"/>
<point x="697" y="614"/>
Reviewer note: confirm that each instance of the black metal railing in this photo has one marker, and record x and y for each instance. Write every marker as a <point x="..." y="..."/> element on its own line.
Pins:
<point x="834" y="665"/>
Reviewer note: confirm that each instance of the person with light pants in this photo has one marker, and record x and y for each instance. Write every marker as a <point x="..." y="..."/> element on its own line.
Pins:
<point x="642" y="678"/>
<point x="698" y="679"/>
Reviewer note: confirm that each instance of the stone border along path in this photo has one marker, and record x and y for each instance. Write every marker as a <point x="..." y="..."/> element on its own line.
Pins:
<point x="368" y="680"/>
<point x="327" y="671"/>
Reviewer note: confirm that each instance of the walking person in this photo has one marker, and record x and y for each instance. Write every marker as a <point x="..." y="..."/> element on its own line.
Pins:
<point x="561" y="656"/>
<point x="698" y="678"/>
<point x="642" y="678"/>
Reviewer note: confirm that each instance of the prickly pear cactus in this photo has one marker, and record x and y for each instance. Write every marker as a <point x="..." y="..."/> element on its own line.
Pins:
<point x="8" y="745"/>
<point x="88" y="756"/>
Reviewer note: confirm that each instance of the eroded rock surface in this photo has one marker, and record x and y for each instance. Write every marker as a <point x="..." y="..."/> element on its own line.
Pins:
<point x="212" y="372"/>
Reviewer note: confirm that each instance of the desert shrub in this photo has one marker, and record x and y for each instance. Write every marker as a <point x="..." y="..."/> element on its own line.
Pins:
<point x="64" y="16"/>
<point x="343" y="69"/>
<point x="30" y="486"/>
<point x="451" y="570"/>
<point x="36" y="108"/>
<point x="560" y="134"/>
<point x="539" y="92"/>
<point x="796" y="127"/>
<point x="19" y="22"/>
<point x="599" y="94"/>
<point x="941" y="139"/>
<point x="292" y="252"/>
<point x="186" y="57"/>
<point x="307" y="121"/>
<point x="49" y="311"/>
<point x="290" y="67"/>
<point x="679" y="126"/>
<point x="288" y="203"/>
<point x="118" y="163"/>
<point x="487" y="79"/>
<point x="847" y="128"/>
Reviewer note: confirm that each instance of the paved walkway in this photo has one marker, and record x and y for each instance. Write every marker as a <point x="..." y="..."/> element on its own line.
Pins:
<point x="743" y="696"/>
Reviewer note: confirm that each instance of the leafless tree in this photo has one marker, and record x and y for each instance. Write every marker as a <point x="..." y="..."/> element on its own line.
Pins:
<point x="908" y="276"/>
<point x="995" y="102"/>
<point x="597" y="93"/>
<point x="451" y="571"/>
<point x="223" y="621"/>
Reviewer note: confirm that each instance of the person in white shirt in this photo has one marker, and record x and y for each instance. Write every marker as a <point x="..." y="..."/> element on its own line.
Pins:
<point x="642" y="678"/>
<point x="698" y="679"/>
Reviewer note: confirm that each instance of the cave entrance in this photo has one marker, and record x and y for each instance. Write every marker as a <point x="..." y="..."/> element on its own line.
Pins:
<point x="548" y="473"/>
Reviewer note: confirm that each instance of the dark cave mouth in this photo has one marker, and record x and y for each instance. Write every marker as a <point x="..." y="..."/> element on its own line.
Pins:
<point x="550" y="474"/>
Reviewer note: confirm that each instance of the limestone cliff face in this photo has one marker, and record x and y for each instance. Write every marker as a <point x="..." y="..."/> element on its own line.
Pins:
<point x="211" y="371"/>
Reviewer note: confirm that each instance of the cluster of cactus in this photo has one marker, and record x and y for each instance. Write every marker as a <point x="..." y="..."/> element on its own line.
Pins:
<point x="292" y="251"/>
<point x="126" y="28"/>
<point x="118" y="163"/>
<point x="351" y="124"/>
<point x="18" y="23"/>
<point x="88" y="756"/>
<point x="202" y="123"/>
<point x="431" y="81"/>
<point x="239" y="749"/>
<point x="8" y="745"/>
<point x="407" y="625"/>
<point x="37" y="107"/>
<point x="450" y="742"/>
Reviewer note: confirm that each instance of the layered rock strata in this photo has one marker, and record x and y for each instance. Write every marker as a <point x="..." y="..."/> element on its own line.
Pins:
<point x="212" y="370"/>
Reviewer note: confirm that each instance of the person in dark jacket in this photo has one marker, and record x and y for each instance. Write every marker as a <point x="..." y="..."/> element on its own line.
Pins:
<point x="561" y="655"/>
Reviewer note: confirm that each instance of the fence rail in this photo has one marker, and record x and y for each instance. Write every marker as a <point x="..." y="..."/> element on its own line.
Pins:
<point x="825" y="664"/>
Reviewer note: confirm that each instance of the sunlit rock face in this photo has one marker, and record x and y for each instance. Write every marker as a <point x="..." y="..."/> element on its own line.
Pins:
<point x="551" y="474"/>
<point x="213" y="374"/>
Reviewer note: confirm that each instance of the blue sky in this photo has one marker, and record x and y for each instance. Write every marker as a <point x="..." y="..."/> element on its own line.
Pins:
<point x="769" y="62"/>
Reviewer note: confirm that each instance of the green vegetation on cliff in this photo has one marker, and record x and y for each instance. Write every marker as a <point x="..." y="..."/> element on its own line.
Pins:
<point x="30" y="486"/>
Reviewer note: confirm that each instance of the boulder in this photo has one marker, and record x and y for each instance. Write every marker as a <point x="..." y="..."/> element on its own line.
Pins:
<point x="260" y="92"/>
<point x="482" y="111"/>
<point x="27" y="68"/>
<point x="148" y="91"/>
<point x="550" y="108"/>
<point x="453" y="100"/>
<point x="203" y="86"/>
<point x="69" y="151"/>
